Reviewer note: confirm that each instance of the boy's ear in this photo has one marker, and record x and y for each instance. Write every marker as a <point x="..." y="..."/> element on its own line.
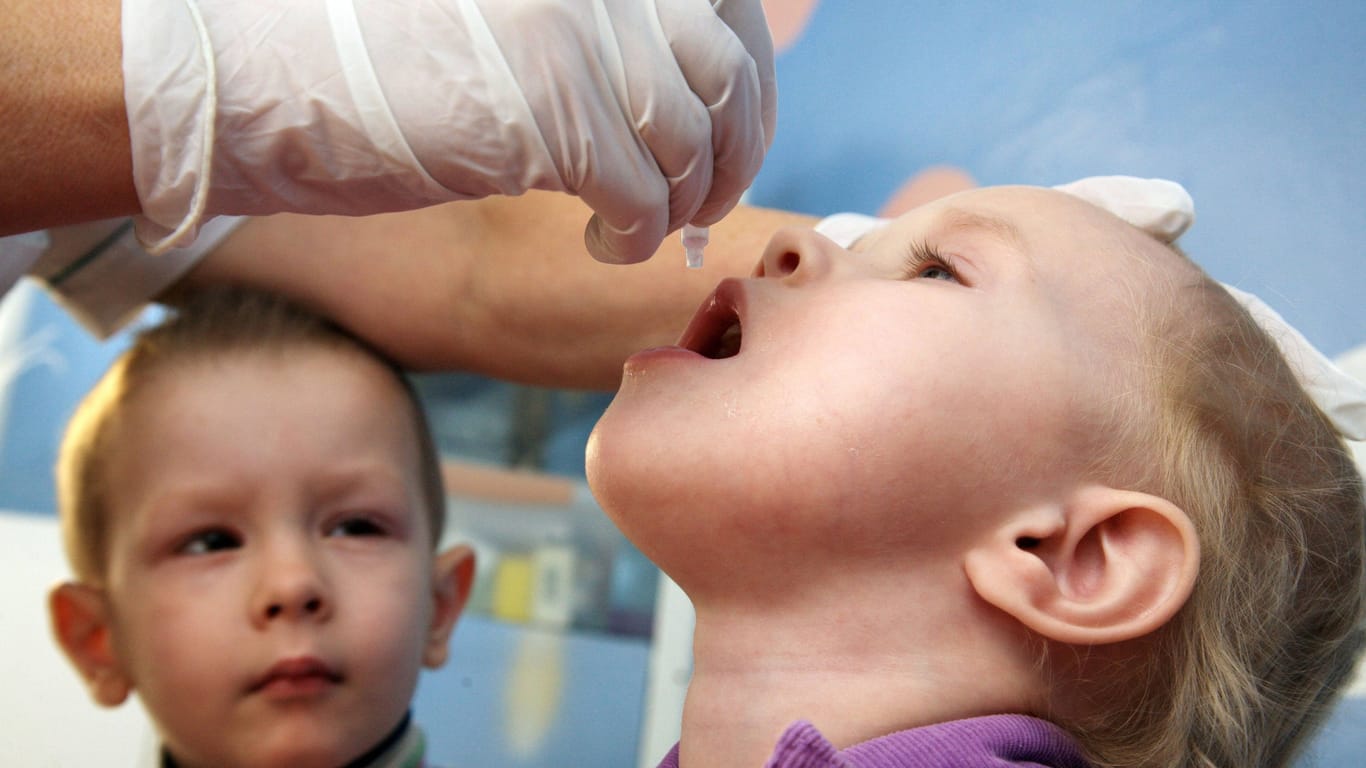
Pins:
<point x="452" y="579"/>
<point x="1108" y="566"/>
<point x="80" y="622"/>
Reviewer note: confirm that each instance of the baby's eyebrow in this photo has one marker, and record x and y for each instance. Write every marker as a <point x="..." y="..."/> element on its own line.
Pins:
<point x="957" y="219"/>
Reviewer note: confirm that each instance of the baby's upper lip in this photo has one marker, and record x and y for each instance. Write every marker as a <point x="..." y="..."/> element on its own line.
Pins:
<point x="715" y="331"/>
<point x="296" y="667"/>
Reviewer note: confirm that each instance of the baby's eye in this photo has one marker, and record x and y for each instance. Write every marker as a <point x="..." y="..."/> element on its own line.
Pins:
<point x="926" y="263"/>
<point x="210" y="540"/>
<point x="356" y="526"/>
<point x="935" y="272"/>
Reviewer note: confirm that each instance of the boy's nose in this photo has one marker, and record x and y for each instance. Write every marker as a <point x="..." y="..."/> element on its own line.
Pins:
<point x="797" y="254"/>
<point x="291" y="589"/>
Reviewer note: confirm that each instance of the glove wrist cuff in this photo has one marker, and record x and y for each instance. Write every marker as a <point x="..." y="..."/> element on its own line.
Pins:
<point x="170" y="95"/>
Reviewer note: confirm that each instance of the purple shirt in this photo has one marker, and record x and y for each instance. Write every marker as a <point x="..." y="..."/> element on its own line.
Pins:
<point x="997" y="741"/>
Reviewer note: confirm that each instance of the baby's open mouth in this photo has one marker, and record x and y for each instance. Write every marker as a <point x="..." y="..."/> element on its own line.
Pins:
<point x="727" y="345"/>
<point x="715" y="330"/>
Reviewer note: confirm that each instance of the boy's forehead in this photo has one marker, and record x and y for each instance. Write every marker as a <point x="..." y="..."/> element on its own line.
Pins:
<point x="180" y="400"/>
<point x="167" y="390"/>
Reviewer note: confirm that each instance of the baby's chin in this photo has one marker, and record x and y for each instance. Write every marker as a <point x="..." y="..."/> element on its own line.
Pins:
<point x="612" y="465"/>
<point x="634" y="470"/>
<point x="625" y="439"/>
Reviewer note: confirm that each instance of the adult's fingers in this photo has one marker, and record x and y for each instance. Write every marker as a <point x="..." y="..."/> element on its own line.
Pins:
<point x="726" y="54"/>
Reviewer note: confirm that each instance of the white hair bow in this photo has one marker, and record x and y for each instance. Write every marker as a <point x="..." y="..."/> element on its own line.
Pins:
<point x="1164" y="210"/>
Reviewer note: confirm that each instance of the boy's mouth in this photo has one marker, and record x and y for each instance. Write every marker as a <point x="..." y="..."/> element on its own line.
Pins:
<point x="298" y="674"/>
<point x="714" y="331"/>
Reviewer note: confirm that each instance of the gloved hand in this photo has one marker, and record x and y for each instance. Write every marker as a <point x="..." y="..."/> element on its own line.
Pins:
<point x="656" y="112"/>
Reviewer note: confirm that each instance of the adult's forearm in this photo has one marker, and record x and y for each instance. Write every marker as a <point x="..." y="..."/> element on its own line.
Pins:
<point x="502" y="287"/>
<point x="64" y="148"/>
<point x="548" y="314"/>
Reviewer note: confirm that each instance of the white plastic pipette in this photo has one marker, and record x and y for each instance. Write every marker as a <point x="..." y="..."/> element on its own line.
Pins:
<point x="694" y="240"/>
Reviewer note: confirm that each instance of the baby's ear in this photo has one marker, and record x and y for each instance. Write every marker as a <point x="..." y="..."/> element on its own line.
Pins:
<point x="1107" y="566"/>
<point x="452" y="579"/>
<point x="80" y="622"/>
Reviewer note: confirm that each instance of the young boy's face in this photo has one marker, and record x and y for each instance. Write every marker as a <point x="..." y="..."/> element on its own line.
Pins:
<point x="271" y="587"/>
<point x="875" y="402"/>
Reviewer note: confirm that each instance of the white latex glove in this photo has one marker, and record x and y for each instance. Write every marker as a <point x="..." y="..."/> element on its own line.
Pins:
<point x="656" y="112"/>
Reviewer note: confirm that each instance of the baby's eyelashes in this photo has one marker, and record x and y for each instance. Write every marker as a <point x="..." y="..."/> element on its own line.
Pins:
<point x="924" y="262"/>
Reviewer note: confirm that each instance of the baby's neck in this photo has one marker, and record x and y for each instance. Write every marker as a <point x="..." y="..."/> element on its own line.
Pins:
<point x="855" y="676"/>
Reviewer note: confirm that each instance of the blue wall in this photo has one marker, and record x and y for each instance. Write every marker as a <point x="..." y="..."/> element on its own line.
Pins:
<point x="1259" y="109"/>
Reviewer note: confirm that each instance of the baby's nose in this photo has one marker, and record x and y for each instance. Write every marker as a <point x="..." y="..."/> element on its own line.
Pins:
<point x="797" y="254"/>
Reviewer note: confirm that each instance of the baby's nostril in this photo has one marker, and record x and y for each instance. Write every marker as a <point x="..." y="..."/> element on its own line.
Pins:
<point x="313" y="605"/>
<point x="787" y="263"/>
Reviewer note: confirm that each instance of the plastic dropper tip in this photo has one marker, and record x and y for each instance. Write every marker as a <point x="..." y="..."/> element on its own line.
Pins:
<point x="694" y="241"/>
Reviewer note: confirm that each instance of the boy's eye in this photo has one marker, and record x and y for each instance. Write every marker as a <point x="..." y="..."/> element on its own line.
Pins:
<point x="211" y="540"/>
<point x="356" y="526"/>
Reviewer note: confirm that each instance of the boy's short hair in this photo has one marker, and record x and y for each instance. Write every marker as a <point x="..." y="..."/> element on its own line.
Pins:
<point x="1271" y="634"/>
<point x="207" y="326"/>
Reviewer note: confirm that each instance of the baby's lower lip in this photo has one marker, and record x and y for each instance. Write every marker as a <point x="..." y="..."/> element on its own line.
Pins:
<point x="666" y="351"/>
<point x="645" y="358"/>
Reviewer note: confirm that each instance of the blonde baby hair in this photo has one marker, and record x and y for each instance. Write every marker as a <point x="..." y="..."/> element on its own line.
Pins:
<point x="1256" y="658"/>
